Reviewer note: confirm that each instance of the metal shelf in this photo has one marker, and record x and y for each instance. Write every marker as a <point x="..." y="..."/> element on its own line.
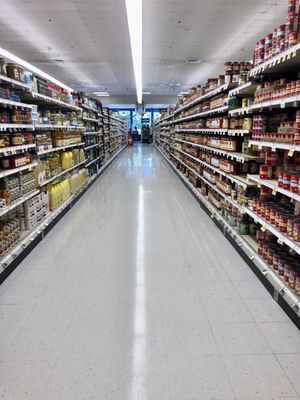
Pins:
<point x="218" y="110"/>
<point x="34" y="97"/>
<point x="54" y="149"/>
<point x="273" y="185"/>
<point x="93" y="162"/>
<point x="18" y="202"/>
<point x="94" y="146"/>
<point x="214" y="92"/>
<point x="239" y="180"/>
<point x="274" y="145"/>
<point x="89" y="108"/>
<point x="61" y="174"/>
<point x="4" y="127"/>
<point x="12" y="171"/>
<point x="281" y="237"/>
<point x="90" y="120"/>
<point x="56" y="127"/>
<point x="287" y="60"/>
<point x="15" y="103"/>
<point x="216" y="131"/>
<point x="7" y="151"/>
<point x="231" y="155"/>
<point x="292" y="101"/>
<point x="14" y="83"/>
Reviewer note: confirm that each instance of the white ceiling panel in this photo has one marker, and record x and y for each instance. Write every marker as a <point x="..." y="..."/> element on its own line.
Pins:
<point x="85" y="43"/>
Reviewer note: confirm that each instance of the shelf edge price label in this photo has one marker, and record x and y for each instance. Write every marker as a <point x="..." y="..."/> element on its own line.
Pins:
<point x="274" y="192"/>
<point x="291" y="152"/>
<point x="280" y="241"/>
<point x="263" y="228"/>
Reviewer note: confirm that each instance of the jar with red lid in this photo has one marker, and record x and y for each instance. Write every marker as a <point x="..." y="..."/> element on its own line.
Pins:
<point x="294" y="183"/>
<point x="270" y="256"/>
<point x="272" y="216"/>
<point x="259" y="247"/>
<point x="297" y="285"/>
<point x="292" y="278"/>
<point x="287" y="270"/>
<point x="265" y="193"/>
<point x="286" y="184"/>
<point x="265" y="172"/>
<point x="280" y="179"/>
<point x="281" y="265"/>
<point x="263" y="209"/>
<point x="282" y="222"/>
<point x="268" y="208"/>
<point x="296" y="230"/>
<point x="290" y="227"/>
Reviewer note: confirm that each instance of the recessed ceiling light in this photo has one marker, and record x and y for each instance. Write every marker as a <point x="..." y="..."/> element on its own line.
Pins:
<point x="170" y="66"/>
<point x="184" y="92"/>
<point x="134" y="11"/>
<point x="102" y="94"/>
<point x="193" y="61"/>
<point x="175" y="84"/>
<point x="146" y="92"/>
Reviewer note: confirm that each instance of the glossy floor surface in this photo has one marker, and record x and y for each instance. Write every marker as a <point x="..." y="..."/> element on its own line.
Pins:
<point x="136" y="295"/>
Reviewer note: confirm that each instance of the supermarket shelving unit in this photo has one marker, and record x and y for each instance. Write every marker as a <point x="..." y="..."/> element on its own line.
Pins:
<point x="81" y="127"/>
<point x="177" y="146"/>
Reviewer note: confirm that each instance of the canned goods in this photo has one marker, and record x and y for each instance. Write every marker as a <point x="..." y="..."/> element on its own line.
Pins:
<point x="265" y="172"/>
<point x="286" y="184"/>
<point x="294" y="183"/>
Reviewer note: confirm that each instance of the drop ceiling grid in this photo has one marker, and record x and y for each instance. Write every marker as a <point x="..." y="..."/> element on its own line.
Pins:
<point x="96" y="47"/>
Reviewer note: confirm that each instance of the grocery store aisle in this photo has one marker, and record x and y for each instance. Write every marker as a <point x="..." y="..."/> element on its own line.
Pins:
<point x="135" y="294"/>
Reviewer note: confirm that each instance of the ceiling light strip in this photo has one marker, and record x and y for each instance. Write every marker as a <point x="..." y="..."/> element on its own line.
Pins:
<point x="32" y="68"/>
<point x="134" y="9"/>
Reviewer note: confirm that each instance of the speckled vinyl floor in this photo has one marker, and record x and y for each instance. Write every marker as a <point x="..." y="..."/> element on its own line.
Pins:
<point x="136" y="295"/>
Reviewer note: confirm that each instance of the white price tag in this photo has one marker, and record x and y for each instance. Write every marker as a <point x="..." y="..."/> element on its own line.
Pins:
<point x="280" y="241"/>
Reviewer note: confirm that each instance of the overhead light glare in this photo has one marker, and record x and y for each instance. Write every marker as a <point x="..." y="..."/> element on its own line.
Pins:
<point x="102" y="94"/>
<point x="32" y="68"/>
<point x="134" y="10"/>
<point x="193" y="61"/>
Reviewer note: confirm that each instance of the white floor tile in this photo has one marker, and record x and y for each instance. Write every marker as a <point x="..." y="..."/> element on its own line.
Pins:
<point x="240" y="338"/>
<point x="266" y="310"/>
<point x="257" y="377"/>
<point x="291" y="365"/>
<point x="283" y="337"/>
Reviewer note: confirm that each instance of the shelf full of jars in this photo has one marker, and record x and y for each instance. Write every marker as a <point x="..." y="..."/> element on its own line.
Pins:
<point x="115" y="131"/>
<point x="46" y="154"/>
<point x="236" y="144"/>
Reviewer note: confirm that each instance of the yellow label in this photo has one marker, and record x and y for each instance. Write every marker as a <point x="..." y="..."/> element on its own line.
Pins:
<point x="263" y="228"/>
<point x="274" y="192"/>
<point x="259" y="185"/>
<point x="291" y="153"/>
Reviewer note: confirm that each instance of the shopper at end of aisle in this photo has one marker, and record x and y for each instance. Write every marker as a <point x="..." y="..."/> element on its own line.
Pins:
<point x="130" y="141"/>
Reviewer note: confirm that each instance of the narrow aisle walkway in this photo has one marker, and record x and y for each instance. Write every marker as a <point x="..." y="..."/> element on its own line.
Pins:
<point x="136" y="295"/>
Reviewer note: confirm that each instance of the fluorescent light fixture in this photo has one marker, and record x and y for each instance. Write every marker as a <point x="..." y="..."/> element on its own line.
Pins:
<point x="183" y="92"/>
<point x="102" y="94"/>
<point x="32" y="68"/>
<point x="146" y="92"/>
<point x="134" y="9"/>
